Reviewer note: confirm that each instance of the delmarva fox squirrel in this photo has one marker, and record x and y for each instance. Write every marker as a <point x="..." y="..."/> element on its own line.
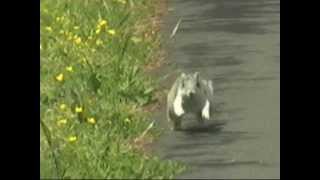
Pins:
<point x="190" y="94"/>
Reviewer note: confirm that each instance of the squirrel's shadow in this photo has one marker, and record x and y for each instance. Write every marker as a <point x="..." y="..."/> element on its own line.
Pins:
<point x="207" y="127"/>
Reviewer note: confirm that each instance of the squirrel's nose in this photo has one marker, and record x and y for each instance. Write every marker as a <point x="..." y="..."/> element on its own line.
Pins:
<point x="191" y="93"/>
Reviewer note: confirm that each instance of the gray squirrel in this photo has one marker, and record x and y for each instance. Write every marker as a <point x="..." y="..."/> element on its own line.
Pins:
<point x="190" y="94"/>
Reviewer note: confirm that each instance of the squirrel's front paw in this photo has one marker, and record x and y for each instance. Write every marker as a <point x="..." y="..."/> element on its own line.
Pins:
<point x="205" y="114"/>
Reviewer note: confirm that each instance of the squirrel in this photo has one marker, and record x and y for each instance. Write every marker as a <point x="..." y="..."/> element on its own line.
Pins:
<point x="190" y="94"/>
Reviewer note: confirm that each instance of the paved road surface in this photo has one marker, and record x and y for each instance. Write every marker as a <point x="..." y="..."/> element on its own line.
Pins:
<point x="236" y="44"/>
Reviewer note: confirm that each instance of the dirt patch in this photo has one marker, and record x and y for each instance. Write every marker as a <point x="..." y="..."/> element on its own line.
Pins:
<point x="159" y="56"/>
<point x="142" y="145"/>
<point x="159" y="69"/>
<point x="153" y="68"/>
<point x="156" y="62"/>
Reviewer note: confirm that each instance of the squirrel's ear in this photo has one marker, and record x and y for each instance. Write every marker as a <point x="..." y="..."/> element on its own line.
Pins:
<point x="196" y="75"/>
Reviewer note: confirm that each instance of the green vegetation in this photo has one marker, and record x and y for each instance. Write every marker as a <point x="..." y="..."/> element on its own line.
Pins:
<point x="93" y="89"/>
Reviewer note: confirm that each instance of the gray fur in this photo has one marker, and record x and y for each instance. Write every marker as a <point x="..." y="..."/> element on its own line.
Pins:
<point x="189" y="94"/>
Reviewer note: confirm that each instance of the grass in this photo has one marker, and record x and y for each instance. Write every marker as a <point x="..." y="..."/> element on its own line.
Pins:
<point x="93" y="89"/>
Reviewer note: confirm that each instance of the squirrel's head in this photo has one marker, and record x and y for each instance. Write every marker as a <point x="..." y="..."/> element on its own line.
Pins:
<point x="190" y="85"/>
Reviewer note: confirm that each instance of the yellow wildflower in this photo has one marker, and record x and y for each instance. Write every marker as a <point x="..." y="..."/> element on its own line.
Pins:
<point x="99" y="42"/>
<point x="122" y="1"/>
<point x="78" y="109"/>
<point x="72" y="138"/>
<point x="58" y="19"/>
<point x="91" y="120"/>
<point x="69" y="68"/>
<point x="59" y="77"/>
<point x="84" y="60"/>
<point x="63" y="106"/>
<point x="62" y="122"/>
<point x="76" y="27"/>
<point x="98" y="31"/>
<point x="49" y="29"/>
<point x="127" y="120"/>
<point x="102" y="23"/>
<point x="77" y="40"/>
<point x="112" y="32"/>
